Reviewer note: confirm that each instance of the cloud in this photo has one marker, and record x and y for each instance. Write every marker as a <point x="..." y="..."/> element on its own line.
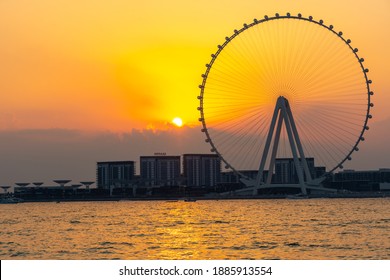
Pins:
<point x="48" y="154"/>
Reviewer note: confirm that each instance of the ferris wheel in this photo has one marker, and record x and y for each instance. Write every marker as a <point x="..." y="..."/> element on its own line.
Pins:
<point x="289" y="87"/>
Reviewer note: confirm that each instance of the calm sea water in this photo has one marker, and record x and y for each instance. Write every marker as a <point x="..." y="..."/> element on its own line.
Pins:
<point x="238" y="229"/>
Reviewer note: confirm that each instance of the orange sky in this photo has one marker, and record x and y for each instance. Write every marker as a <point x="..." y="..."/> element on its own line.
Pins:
<point x="118" y="65"/>
<point x="75" y="73"/>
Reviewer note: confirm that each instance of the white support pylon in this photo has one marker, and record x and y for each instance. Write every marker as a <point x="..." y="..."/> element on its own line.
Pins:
<point x="282" y="113"/>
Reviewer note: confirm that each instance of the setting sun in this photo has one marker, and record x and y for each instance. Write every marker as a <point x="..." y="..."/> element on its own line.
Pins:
<point x="178" y="122"/>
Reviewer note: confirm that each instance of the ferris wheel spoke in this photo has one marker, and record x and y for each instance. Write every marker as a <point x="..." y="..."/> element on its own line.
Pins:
<point x="331" y="118"/>
<point x="234" y="126"/>
<point x="330" y="121"/>
<point x="318" y="135"/>
<point x="307" y="144"/>
<point x="309" y="63"/>
<point x="336" y="86"/>
<point x="323" y="131"/>
<point x="235" y="115"/>
<point x="328" y="130"/>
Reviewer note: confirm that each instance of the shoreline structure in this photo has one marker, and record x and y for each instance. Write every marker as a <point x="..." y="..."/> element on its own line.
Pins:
<point x="209" y="197"/>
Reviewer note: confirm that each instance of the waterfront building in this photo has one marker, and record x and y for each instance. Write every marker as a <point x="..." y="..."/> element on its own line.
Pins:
<point x="232" y="177"/>
<point x="381" y="175"/>
<point x="384" y="187"/>
<point x="202" y="170"/>
<point x="362" y="180"/>
<point x="115" y="174"/>
<point x="285" y="171"/>
<point x="319" y="171"/>
<point x="160" y="170"/>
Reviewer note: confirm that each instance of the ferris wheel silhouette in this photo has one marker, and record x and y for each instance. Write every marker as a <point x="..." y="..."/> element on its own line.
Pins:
<point x="285" y="86"/>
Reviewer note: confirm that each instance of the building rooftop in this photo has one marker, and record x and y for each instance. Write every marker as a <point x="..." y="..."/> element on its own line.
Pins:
<point x="116" y="162"/>
<point x="161" y="156"/>
<point x="207" y="155"/>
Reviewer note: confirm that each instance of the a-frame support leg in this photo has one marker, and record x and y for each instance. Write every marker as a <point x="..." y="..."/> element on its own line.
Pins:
<point x="282" y="113"/>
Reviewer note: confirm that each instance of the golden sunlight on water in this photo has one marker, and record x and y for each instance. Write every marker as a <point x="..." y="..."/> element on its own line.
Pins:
<point x="240" y="229"/>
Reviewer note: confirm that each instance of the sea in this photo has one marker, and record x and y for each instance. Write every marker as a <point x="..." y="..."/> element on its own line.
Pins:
<point x="287" y="229"/>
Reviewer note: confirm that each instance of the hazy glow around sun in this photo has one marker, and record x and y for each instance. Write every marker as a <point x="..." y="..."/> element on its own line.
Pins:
<point x="178" y="122"/>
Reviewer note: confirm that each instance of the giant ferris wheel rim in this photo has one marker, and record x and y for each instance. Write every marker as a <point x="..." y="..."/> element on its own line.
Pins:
<point x="277" y="16"/>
